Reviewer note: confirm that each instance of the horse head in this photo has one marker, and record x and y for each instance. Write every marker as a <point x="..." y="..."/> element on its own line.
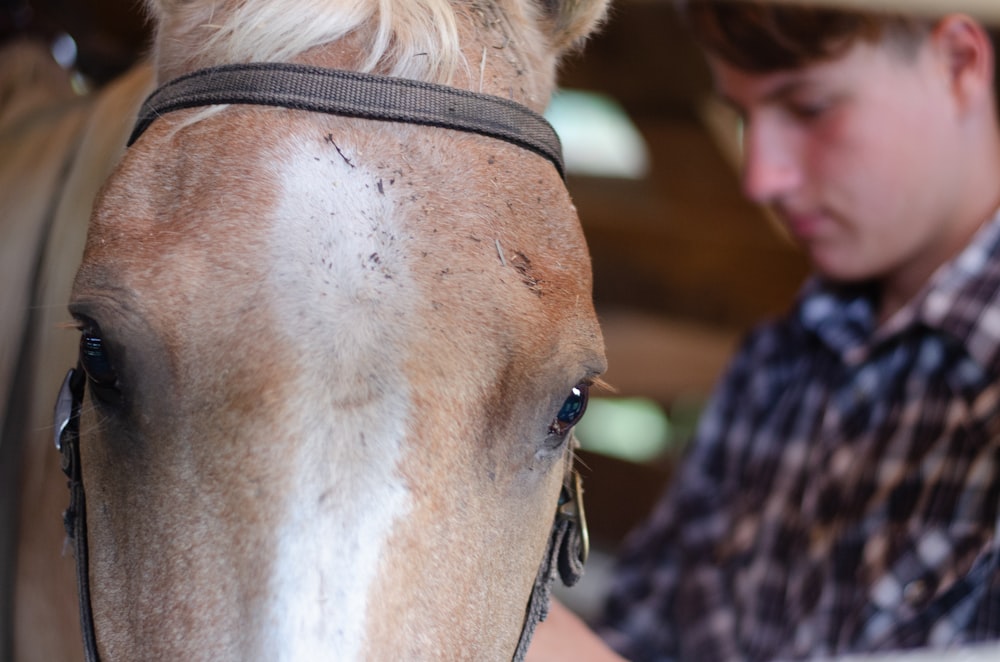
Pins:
<point x="332" y="363"/>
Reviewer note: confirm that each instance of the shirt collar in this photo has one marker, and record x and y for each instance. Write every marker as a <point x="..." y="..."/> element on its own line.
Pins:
<point x="962" y="299"/>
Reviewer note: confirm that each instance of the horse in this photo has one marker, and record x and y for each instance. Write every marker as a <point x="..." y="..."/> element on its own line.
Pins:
<point x="56" y="147"/>
<point x="327" y="363"/>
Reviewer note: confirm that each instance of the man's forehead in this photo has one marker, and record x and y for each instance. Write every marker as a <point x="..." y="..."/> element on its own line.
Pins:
<point x="738" y="87"/>
<point x="987" y="11"/>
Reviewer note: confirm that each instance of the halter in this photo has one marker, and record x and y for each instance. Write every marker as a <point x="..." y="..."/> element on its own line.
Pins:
<point x="366" y="96"/>
<point x="353" y="94"/>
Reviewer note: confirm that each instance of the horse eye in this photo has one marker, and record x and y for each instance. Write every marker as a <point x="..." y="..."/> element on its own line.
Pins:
<point x="97" y="364"/>
<point x="571" y="411"/>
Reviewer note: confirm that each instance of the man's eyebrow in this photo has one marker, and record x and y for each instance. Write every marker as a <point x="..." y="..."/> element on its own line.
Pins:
<point x="780" y="92"/>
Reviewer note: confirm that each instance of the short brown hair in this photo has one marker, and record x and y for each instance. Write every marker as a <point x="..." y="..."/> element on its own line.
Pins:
<point x="761" y="36"/>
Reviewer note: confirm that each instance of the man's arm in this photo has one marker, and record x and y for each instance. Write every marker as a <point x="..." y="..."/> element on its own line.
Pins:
<point x="563" y="637"/>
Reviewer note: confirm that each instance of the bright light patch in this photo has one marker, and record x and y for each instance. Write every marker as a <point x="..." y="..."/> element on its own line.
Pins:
<point x="634" y="429"/>
<point x="64" y="50"/>
<point x="598" y="138"/>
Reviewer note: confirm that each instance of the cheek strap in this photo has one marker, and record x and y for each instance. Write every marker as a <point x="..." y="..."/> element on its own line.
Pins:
<point x="67" y="440"/>
<point x="567" y="551"/>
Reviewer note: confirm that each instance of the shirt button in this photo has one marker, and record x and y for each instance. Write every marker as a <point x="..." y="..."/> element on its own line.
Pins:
<point x="915" y="592"/>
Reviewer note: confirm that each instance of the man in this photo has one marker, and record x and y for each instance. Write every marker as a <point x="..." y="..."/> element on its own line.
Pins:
<point x="841" y="494"/>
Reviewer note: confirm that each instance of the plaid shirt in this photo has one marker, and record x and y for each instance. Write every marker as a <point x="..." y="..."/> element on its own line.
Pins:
<point x="841" y="494"/>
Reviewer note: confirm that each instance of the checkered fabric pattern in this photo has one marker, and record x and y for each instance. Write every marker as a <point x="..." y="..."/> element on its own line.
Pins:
<point x="842" y="492"/>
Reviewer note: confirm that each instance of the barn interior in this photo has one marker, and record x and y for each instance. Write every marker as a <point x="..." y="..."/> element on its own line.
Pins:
<point x="683" y="264"/>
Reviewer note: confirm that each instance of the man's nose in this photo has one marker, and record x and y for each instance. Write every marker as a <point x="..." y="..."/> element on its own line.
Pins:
<point x="771" y="165"/>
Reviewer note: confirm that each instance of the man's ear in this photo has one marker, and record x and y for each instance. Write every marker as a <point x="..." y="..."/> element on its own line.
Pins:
<point x="969" y="55"/>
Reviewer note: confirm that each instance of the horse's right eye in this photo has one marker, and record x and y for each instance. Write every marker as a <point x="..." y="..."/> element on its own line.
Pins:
<point x="571" y="411"/>
<point x="96" y="362"/>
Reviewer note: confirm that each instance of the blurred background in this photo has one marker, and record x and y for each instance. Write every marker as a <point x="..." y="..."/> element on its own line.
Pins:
<point x="682" y="264"/>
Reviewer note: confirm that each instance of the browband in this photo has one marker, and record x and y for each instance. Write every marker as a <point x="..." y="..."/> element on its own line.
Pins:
<point x="353" y="94"/>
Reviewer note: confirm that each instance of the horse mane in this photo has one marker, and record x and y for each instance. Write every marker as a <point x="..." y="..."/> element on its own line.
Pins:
<point x="410" y="38"/>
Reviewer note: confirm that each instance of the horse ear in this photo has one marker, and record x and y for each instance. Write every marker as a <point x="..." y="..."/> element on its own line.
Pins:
<point x="573" y="20"/>
<point x="159" y="9"/>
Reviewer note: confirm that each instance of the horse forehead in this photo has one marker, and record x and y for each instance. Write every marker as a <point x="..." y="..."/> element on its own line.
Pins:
<point x="344" y="217"/>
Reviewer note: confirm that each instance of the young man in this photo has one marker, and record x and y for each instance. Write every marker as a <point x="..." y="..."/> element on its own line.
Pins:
<point x="842" y="492"/>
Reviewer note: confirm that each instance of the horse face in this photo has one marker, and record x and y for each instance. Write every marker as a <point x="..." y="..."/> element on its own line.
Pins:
<point x="332" y="370"/>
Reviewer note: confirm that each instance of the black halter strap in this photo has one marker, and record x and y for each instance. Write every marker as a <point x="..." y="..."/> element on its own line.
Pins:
<point x="366" y="96"/>
<point x="67" y="439"/>
<point x="353" y="94"/>
<point x="566" y="554"/>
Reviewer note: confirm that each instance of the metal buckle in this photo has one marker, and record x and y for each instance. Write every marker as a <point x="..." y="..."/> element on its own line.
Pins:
<point x="571" y="509"/>
<point x="65" y="403"/>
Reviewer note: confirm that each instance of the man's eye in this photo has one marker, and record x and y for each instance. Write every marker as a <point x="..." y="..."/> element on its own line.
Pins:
<point x="809" y="110"/>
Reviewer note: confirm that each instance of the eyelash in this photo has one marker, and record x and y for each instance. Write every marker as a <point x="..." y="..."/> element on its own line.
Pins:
<point x="808" y="112"/>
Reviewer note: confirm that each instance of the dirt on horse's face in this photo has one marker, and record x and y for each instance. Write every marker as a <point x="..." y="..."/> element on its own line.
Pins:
<point x="326" y="361"/>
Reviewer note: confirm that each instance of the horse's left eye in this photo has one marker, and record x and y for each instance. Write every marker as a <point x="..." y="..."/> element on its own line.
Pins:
<point x="571" y="411"/>
<point x="96" y="362"/>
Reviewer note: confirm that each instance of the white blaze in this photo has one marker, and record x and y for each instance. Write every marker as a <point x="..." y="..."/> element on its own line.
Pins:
<point x="339" y="269"/>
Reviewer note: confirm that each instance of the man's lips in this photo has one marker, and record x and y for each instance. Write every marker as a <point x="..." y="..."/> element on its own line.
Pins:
<point x="803" y="225"/>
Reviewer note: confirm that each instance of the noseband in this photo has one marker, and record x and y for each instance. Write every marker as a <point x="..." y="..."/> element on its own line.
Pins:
<point x="365" y="96"/>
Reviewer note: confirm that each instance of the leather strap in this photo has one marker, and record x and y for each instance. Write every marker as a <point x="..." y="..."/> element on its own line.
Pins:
<point x="67" y="440"/>
<point x="567" y="552"/>
<point x="353" y="94"/>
